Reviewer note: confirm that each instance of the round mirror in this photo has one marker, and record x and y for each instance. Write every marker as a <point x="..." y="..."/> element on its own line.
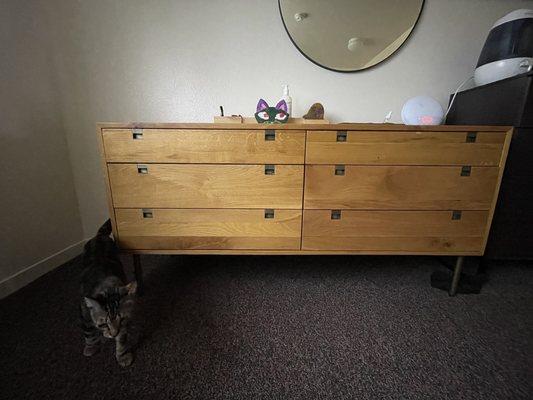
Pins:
<point x="349" y="35"/>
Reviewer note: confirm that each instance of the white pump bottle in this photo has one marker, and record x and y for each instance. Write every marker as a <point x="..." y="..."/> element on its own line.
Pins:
<point x="287" y="99"/>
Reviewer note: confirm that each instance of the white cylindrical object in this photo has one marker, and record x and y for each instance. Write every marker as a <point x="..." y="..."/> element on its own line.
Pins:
<point x="287" y="98"/>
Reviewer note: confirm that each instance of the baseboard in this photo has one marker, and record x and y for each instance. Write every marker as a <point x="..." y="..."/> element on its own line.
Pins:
<point x="17" y="281"/>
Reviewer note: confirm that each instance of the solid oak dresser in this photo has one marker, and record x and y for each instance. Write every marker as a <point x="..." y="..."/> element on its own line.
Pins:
<point x="302" y="188"/>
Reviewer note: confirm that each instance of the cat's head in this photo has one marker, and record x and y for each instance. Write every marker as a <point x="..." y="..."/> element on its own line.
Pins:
<point x="271" y="115"/>
<point x="110" y="310"/>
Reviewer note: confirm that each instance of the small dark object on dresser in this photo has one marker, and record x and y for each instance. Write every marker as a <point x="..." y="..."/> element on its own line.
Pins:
<point x="315" y="112"/>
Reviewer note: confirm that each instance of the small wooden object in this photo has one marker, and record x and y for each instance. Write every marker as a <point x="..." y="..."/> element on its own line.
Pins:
<point x="251" y="120"/>
<point x="315" y="112"/>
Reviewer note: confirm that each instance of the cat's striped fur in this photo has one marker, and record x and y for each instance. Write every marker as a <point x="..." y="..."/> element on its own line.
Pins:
<point x="107" y="303"/>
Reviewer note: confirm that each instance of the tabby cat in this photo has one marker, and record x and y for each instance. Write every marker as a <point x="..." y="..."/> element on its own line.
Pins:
<point x="107" y="303"/>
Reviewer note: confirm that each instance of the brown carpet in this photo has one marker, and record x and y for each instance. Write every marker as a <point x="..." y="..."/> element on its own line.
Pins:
<point x="281" y="328"/>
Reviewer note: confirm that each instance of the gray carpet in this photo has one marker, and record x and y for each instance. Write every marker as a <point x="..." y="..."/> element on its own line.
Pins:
<point x="281" y="328"/>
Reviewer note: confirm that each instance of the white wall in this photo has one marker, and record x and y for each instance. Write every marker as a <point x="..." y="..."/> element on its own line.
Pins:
<point x="170" y="60"/>
<point x="39" y="215"/>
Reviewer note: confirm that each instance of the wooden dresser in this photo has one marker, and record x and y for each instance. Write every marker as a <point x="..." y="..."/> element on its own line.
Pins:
<point x="302" y="188"/>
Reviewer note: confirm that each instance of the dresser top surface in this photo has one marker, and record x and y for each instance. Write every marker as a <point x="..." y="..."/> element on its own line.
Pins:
<point x="308" y="127"/>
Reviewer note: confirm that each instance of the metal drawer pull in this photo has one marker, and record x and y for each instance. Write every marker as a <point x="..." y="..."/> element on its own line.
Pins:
<point x="335" y="214"/>
<point x="471" y="137"/>
<point x="147" y="213"/>
<point x="465" y="170"/>
<point x="341" y="136"/>
<point x="142" y="169"/>
<point x="339" y="170"/>
<point x="137" y="133"/>
<point x="270" y="169"/>
<point x="456" y="215"/>
<point x="269" y="213"/>
<point x="270" y="135"/>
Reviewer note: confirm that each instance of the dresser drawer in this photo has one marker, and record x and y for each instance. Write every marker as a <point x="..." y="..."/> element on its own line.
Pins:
<point x="399" y="187"/>
<point x="405" y="148"/>
<point x="208" y="229"/>
<point x="401" y="231"/>
<point x="206" y="186"/>
<point x="204" y="146"/>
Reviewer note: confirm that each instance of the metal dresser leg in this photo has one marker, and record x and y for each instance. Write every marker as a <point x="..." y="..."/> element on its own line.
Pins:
<point x="138" y="271"/>
<point x="456" y="275"/>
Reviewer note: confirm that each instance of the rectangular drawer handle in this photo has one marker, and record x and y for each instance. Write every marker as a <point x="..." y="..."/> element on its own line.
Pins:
<point x="270" y="135"/>
<point x="335" y="214"/>
<point x="465" y="170"/>
<point x="340" y="170"/>
<point x="471" y="137"/>
<point x="269" y="213"/>
<point x="137" y="133"/>
<point x="456" y="215"/>
<point x="147" y="213"/>
<point x="142" y="169"/>
<point x="341" y="136"/>
<point x="270" y="169"/>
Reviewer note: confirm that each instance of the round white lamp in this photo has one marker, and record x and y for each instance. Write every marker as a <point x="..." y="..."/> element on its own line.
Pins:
<point x="422" y="110"/>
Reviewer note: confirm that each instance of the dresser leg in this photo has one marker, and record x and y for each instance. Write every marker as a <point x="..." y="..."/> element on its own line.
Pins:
<point x="456" y="275"/>
<point x="138" y="271"/>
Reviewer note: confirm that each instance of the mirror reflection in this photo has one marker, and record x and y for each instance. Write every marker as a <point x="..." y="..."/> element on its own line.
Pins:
<point x="349" y="35"/>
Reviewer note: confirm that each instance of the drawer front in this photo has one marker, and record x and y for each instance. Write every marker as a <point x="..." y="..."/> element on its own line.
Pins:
<point x="402" y="231"/>
<point x="205" y="186"/>
<point x="405" y="148"/>
<point x="208" y="229"/>
<point x="399" y="187"/>
<point x="204" y="146"/>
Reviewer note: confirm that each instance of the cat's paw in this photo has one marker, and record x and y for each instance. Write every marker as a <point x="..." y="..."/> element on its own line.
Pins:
<point x="125" y="360"/>
<point x="89" y="351"/>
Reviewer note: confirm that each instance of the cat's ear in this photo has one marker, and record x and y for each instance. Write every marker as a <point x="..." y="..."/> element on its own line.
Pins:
<point x="282" y="105"/>
<point x="92" y="303"/>
<point x="132" y="287"/>
<point x="261" y="105"/>
<point x="129" y="289"/>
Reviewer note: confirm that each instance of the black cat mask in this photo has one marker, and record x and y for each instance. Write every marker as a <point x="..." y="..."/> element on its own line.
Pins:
<point x="271" y="115"/>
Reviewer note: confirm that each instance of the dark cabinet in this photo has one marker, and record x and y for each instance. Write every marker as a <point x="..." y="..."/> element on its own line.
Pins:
<point x="506" y="102"/>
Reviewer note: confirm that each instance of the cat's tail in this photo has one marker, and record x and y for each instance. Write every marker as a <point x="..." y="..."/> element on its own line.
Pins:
<point x="105" y="229"/>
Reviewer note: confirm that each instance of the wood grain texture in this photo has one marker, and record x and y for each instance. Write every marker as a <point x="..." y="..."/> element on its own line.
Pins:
<point x="206" y="186"/>
<point x="264" y="252"/>
<point x="404" y="148"/>
<point x="397" y="245"/>
<point x="209" y="229"/>
<point x="204" y="146"/>
<point x="394" y="223"/>
<point x="399" y="187"/>
<point x="310" y="127"/>
<point x="424" y="231"/>
<point x="105" y="172"/>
